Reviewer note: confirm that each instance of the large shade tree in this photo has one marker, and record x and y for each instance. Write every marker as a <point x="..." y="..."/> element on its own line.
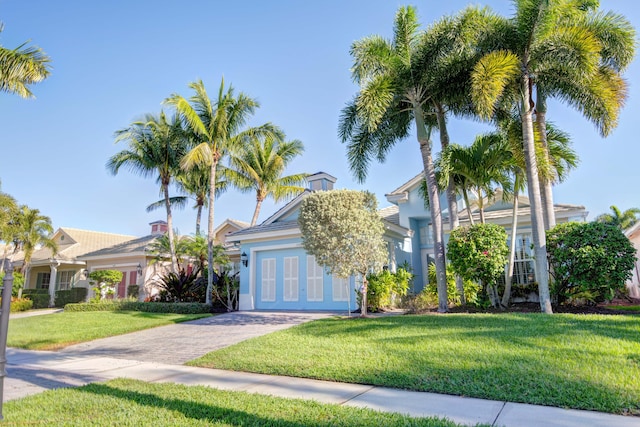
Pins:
<point x="157" y="144"/>
<point x="540" y="36"/>
<point x="22" y="67"/>
<point x="259" y="165"/>
<point x="218" y="125"/>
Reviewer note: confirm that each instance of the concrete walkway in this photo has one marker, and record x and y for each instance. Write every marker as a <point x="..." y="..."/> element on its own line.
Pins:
<point x="31" y="372"/>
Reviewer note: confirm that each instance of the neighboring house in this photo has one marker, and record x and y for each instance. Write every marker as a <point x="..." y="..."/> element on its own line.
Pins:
<point x="633" y="234"/>
<point x="83" y="251"/>
<point x="277" y="273"/>
<point x="231" y="249"/>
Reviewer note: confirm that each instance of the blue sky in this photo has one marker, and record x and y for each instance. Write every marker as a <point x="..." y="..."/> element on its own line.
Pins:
<point x="115" y="61"/>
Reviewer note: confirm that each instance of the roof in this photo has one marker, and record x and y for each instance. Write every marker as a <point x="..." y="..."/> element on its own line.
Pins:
<point x="391" y="214"/>
<point x="286" y="209"/>
<point x="263" y="228"/>
<point x="73" y="243"/>
<point x="138" y="245"/>
<point x="407" y="186"/>
<point x="230" y="221"/>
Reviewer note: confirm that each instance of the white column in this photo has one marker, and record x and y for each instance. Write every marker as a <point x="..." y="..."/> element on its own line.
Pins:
<point x="52" y="282"/>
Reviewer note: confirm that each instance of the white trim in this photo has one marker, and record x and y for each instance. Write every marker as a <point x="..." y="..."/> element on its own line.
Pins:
<point x="118" y="255"/>
<point x="266" y="235"/>
<point x="128" y="264"/>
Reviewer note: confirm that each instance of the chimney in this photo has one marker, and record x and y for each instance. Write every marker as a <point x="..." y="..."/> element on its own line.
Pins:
<point x="321" y="181"/>
<point x="158" y="227"/>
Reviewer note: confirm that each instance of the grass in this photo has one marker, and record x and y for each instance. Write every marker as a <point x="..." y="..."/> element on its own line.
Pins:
<point x="575" y="361"/>
<point x="54" y="331"/>
<point x="624" y="307"/>
<point x="135" y="403"/>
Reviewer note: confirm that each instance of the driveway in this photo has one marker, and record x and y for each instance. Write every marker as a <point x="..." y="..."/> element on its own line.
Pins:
<point x="178" y="343"/>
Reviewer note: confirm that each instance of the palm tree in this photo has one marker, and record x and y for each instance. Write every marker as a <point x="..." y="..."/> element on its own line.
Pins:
<point x="217" y="125"/>
<point x="479" y="168"/>
<point x="259" y="166"/>
<point x="598" y="95"/>
<point x="32" y="230"/>
<point x="534" y="40"/>
<point x="623" y="220"/>
<point x="157" y="144"/>
<point x="8" y="213"/>
<point x="21" y="67"/>
<point x="391" y="98"/>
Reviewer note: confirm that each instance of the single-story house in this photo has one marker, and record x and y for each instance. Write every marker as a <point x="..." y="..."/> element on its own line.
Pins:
<point x="277" y="274"/>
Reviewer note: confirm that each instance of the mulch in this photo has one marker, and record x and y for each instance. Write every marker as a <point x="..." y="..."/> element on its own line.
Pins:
<point x="535" y="308"/>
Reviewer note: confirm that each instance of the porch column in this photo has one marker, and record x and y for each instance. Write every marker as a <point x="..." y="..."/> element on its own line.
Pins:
<point x="53" y="264"/>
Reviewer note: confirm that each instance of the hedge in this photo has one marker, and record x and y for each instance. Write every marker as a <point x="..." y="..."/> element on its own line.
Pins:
<point x="69" y="296"/>
<point x="40" y="297"/>
<point x="18" y="305"/>
<point x="148" y="307"/>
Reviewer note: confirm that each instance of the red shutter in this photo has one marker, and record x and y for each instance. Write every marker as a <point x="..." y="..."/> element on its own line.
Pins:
<point x="122" y="286"/>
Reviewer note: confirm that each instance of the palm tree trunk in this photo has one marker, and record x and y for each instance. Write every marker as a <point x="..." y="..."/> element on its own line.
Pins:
<point x="533" y="186"/>
<point x="210" y="236"/>
<point x="546" y="187"/>
<point x="481" y="206"/>
<point x="512" y="247"/>
<point x="466" y="202"/>
<point x="172" y="246"/>
<point x="434" y="205"/>
<point x="256" y="212"/>
<point x="454" y="220"/>
<point x="198" y="219"/>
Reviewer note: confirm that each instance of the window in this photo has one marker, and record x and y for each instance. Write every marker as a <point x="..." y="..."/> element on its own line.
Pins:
<point x="65" y="279"/>
<point x="268" y="290"/>
<point x="290" y="279"/>
<point x="42" y="280"/>
<point x="315" y="275"/>
<point x="523" y="267"/>
<point x="340" y="288"/>
<point x="426" y="236"/>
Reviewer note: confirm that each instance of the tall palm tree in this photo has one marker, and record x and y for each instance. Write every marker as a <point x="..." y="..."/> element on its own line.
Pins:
<point x="390" y="99"/>
<point x="218" y="126"/>
<point x="157" y="144"/>
<point x="532" y="40"/>
<point x="32" y="230"/>
<point x="21" y="67"/>
<point x="620" y="219"/>
<point x="8" y="213"/>
<point x="598" y="95"/>
<point x="259" y="166"/>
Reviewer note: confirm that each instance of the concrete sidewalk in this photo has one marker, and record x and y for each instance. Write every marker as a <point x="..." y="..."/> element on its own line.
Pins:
<point x="31" y="372"/>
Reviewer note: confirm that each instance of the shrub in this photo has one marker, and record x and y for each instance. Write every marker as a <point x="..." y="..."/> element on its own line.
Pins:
<point x="181" y="287"/>
<point x="226" y="289"/>
<point x="385" y="286"/>
<point x="422" y="302"/>
<point x="471" y="288"/>
<point x="147" y="307"/>
<point x="104" y="282"/>
<point x="479" y="253"/>
<point x="18" y="282"/>
<point x="19" y="304"/>
<point x="133" y="291"/>
<point x="40" y="297"/>
<point x="591" y="261"/>
<point x="69" y="296"/>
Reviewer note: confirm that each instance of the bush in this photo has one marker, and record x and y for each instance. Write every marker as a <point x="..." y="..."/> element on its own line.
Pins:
<point x="69" y="296"/>
<point x="104" y="282"/>
<point x="591" y="261"/>
<point x="181" y="287"/>
<point x="19" y="304"/>
<point x="40" y="297"/>
<point x="385" y="286"/>
<point x="422" y="302"/>
<point x="147" y="307"/>
<point x="471" y="288"/>
<point x="18" y="282"/>
<point x="226" y="289"/>
<point x="133" y="291"/>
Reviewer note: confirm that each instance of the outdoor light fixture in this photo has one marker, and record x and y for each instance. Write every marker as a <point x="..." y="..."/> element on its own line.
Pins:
<point x="244" y="258"/>
<point x="85" y="273"/>
<point x="139" y="269"/>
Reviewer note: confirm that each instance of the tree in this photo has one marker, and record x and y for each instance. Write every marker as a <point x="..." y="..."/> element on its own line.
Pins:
<point x="591" y="261"/>
<point x="21" y="67"/>
<point x="218" y="127"/>
<point x="479" y="253"/>
<point x="8" y="213"/>
<point x="32" y="230"/>
<point x="343" y="230"/>
<point x="599" y="94"/>
<point x="533" y="40"/>
<point x="623" y="220"/>
<point x="105" y="281"/>
<point x="259" y="167"/>
<point x="157" y="144"/>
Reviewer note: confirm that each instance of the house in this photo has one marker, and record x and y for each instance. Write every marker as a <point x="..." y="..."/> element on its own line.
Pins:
<point x="83" y="251"/>
<point x="633" y="234"/>
<point x="277" y="274"/>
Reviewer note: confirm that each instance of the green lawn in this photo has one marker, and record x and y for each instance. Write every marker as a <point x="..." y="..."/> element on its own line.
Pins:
<point x="624" y="307"/>
<point x="54" y="331"/>
<point x="135" y="403"/>
<point x="575" y="361"/>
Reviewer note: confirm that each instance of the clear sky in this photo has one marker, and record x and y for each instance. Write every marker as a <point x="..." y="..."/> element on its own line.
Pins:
<point x="114" y="61"/>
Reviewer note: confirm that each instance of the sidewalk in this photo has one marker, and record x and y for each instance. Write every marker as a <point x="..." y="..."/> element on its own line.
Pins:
<point x="31" y="372"/>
